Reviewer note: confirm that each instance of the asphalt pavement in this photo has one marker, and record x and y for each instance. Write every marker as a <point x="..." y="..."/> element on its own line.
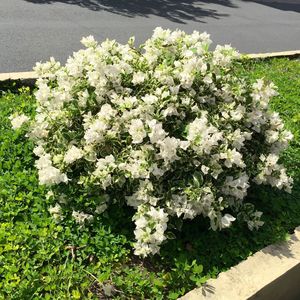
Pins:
<point x="34" y="30"/>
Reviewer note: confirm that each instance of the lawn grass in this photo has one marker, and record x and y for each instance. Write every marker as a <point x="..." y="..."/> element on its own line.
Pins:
<point x="40" y="259"/>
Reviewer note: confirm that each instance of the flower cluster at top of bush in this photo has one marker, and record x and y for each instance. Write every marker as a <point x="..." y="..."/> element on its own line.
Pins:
<point x="167" y="128"/>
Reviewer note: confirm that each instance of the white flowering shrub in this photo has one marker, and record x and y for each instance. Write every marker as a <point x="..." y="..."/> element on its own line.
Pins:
<point x="167" y="128"/>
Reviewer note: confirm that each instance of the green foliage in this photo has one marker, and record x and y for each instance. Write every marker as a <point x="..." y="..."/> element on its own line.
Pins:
<point x="40" y="259"/>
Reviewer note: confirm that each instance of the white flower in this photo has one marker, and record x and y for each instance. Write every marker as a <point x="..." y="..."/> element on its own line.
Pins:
<point x="286" y="136"/>
<point x="255" y="222"/>
<point x="137" y="131"/>
<point x="51" y="176"/>
<point x="18" y="120"/>
<point x="39" y="150"/>
<point x="204" y="169"/>
<point x="236" y="187"/>
<point x="42" y="95"/>
<point x="157" y="132"/>
<point x="89" y="41"/>
<point x="159" y="33"/>
<point x="238" y="138"/>
<point x="143" y="195"/>
<point x="207" y="79"/>
<point x="179" y="205"/>
<point x="138" y="78"/>
<point x="168" y="149"/>
<point x="238" y="113"/>
<point x="104" y="167"/>
<point x="202" y="135"/>
<point x="151" y="224"/>
<point x="271" y="136"/>
<point x="82" y="98"/>
<point x="55" y="209"/>
<point x="72" y="155"/>
<point x="150" y="99"/>
<point x="232" y="157"/>
<point x="226" y="220"/>
<point x="56" y="212"/>
<point x="170" y="111"/>
<point x="47" y="69"/>
<point x="81" y="217"/>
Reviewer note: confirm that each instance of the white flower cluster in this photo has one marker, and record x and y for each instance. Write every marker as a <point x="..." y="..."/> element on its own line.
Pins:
<point x="72" y="155"/>
<point x="167" y="128"/>
<point x="273" y="173"/>
<point x="17" y="121"/>
<point x="151" y="224"/>
<point x="49" y="175"/>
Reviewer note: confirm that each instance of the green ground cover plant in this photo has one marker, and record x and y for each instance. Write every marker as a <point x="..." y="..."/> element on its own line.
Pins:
<point x="40" y="259"/>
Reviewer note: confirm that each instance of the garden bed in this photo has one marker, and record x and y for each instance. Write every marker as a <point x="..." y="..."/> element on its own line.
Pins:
<point x="42" y="260"/>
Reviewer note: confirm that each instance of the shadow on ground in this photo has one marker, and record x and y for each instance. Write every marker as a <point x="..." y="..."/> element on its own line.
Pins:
<point x="279" y="4"/>
<point x="174" y="10"/>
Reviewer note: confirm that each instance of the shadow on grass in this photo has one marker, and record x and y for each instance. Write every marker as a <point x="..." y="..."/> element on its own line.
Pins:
<point x="13" y="86"/>
<point x="220" y="250"/>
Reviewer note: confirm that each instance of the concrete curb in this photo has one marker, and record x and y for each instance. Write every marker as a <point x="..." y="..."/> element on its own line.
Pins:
<point x="292" y="53"/>
<point x="272" y="273"/>
<point x="18" y="76"/>
<point x="29" y="76"/>
<point x="25" y="78"/>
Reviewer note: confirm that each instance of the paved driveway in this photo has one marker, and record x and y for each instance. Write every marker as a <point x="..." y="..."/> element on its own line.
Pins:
<point x="34" y="30"/>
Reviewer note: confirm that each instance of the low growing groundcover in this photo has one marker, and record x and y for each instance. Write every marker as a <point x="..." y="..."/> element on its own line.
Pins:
<point x="40" y="259"/>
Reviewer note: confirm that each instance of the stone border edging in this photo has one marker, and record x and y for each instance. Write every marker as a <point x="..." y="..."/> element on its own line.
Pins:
<point x="32" y="76"/>
<point x="251" y="277"/>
